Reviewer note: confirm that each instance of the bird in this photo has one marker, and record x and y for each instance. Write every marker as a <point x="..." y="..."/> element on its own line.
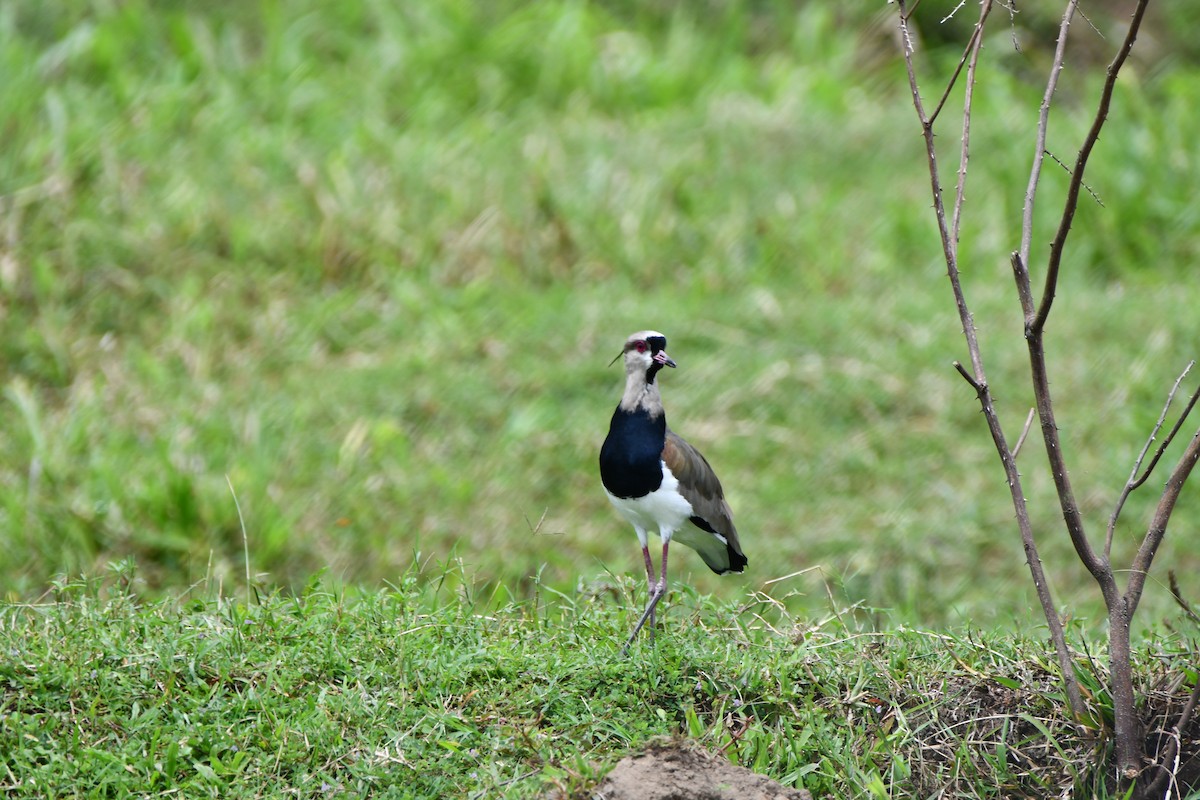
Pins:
<point x="659" y="482"/>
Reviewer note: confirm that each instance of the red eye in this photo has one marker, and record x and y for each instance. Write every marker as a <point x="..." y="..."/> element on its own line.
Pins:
<point x="641" y="347"/>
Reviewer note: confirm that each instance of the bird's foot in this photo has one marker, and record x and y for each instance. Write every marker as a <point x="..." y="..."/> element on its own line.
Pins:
<point x="648" y="616"/>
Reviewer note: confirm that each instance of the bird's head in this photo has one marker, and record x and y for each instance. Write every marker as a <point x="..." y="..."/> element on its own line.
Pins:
<point x="645" y="352"/>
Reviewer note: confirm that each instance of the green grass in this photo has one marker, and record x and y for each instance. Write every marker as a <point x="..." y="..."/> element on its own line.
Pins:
<point x="364" y="264"/>
<point x="423" y="690"/>
<point x="367" y="266"/>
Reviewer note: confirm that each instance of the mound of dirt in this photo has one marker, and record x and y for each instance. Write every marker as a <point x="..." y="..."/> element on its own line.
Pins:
<point x="672" y="772"/>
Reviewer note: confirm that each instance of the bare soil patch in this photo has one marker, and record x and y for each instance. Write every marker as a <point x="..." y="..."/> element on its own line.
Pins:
<point x="677" y="772"/>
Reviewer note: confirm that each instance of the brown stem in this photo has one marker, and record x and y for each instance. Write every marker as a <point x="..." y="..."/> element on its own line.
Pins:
<point x="1045" y="598"/>
<point x="1170" y="436"/>
<point x="1134" y="480"/>
<point x="1098" y="566"/>
<point x="1158" y="525"/>
<point x="1089" y="142"/>
<point x="1024" y="432"/>
<point x="1024" y="294"/>
<point x="1035" y="172"/>
<point x="971" y="54"/>
<point x="973" y="48"/>
<point x="1127" y="728"/>
<point x="976" y="377"/>
<point x="1127" y="734"/>
<point x="1033" y="334"/>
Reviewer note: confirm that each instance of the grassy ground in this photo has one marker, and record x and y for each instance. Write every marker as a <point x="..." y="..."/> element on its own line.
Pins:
<point x="367" y="266"/>
<point x="289" y="289"/>
<point x="420" y="691"/>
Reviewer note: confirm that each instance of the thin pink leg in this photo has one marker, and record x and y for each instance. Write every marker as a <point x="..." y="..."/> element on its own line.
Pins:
<point x="656" y="593"/>
<point x="653" y="588"/>
<point x="662" y="584"/>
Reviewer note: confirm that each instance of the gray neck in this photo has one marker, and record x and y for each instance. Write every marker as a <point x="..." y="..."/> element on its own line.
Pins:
<point x="640" y="394"/>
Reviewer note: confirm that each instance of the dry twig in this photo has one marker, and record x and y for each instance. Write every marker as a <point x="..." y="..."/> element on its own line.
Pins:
<point x="1036" y="310"/>
<point x="1134" y="481"/>
<point x="976" y="377"/>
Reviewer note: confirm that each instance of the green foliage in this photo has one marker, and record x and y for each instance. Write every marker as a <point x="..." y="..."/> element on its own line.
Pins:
<point x="365" y="262"/>
<point x="429" y="691"/>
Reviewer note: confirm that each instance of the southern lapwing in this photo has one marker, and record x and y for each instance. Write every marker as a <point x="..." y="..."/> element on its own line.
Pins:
<point x="658" y="481"/>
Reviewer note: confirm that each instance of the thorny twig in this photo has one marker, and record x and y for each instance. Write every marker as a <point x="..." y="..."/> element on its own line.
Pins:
<point x="976" y="376"/>
<point x="1035" y="323"/>
<point x="970" y="52"/>
<point x="1121" y="606"/>
<point x="1134" y="481"/>
<point x="973" y="47"/>
<point x="1129" y="747"/>
<point x="1024" y="433"/>
<point x="1085" y="151"/>
<point x="1067" y="170"/>
<point x="1174" y="430"/>
<point x="953" y="11"/>
<point x="1035" y="172"/>
<point x="1158" y="525"/>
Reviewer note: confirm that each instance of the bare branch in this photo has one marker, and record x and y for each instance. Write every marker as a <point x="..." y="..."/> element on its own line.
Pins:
<point x="970" y="52"/>
<point x="1134" y="481"/>
<point x="908" y="63"/>
<point x="1024" y="433"/>
<point x="1167" y="441"/>
<point x="1098" y="566"/>
<point x="1092" y="25"/>
<point x="1089" y="142"/>
<point x="953" y="11"/>
<point x="1035" y="172"/>
<point x="1021" y="274"/>
<point x="1158" y="525"/>
<point x="977" y="378"/>
<point x="912" y="10"/>
<point x="1012" y="25"/>
<point x="980" y="388"/>
<point x="973" y="47"/>
<point x="1067" y="170"/>
<point x="949" y="248"/>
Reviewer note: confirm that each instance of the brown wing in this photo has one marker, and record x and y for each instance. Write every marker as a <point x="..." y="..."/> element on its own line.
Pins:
<point x="700" y="486"/>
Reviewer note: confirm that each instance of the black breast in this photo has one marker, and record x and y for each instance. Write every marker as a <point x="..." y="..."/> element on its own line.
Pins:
<point x="631" y="458"/>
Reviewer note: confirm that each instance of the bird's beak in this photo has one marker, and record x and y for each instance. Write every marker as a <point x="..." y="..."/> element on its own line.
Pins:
<point x="662" y="358"/>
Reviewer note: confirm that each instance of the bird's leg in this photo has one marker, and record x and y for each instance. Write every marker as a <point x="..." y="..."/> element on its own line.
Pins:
<point x="661" y="589"/>
<point x="656" y="593"/>
<point x="648" y="614"/>
<point x="649" y="566"/>
<point x="653" y="587"/>
<point x="662" y="584"/>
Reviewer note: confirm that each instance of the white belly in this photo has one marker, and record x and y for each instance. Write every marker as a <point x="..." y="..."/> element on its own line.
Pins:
<point x="664" y="510"/>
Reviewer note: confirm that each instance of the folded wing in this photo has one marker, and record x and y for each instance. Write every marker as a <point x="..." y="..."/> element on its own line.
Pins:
<point x="716" y="540"/>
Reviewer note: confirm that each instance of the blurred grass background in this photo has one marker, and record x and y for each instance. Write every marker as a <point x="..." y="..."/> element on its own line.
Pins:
<point x="367" y="262"/>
